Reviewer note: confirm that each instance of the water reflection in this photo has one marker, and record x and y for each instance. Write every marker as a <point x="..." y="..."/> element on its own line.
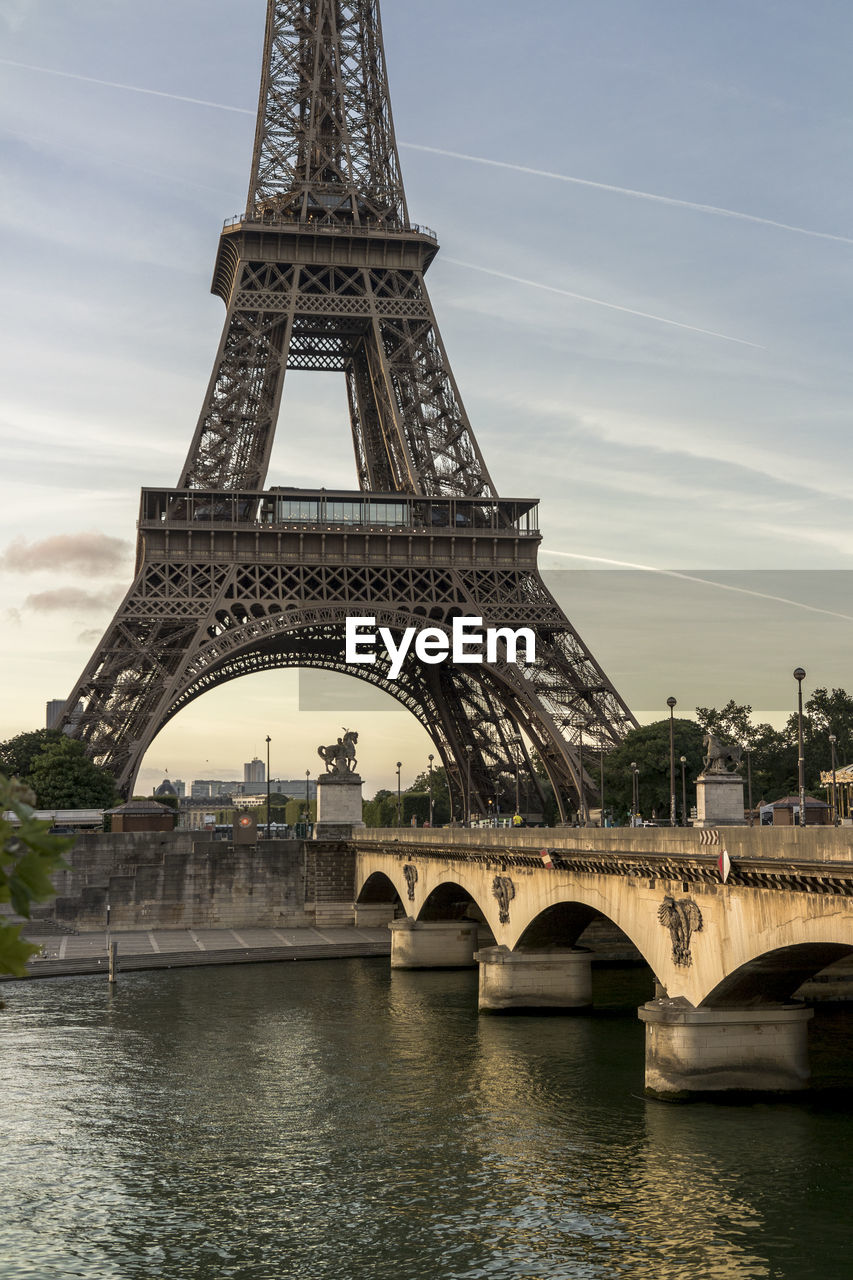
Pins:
<point x="333" y="1120"/>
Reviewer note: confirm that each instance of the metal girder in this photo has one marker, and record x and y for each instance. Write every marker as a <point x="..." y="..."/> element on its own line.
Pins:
<point x="324" y="272"/>
<point x="324" y="142"/>
<point x="374" y="324"/>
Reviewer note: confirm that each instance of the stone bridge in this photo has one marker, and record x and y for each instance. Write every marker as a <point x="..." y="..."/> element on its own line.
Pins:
<point x="727" y="958"/>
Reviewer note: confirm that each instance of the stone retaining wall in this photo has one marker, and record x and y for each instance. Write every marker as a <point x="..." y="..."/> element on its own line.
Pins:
<point x="181" y="879"/>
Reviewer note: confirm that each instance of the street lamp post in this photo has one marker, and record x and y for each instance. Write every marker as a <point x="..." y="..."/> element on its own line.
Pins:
<point x="799" y="676"/>
<point x="683" y="761"/>
<point x="749" y="784"/>
<point x="601" y="783"/>
<point x="581" y="788"/>
<point x="431" y="758"/>
<point x="516" y="742"/>
<point x="671" y="703"/>
<point x="468" y="750"/>
<point x="835" y="822"/>
<point x="635" y="793"/>
<point x="269" y="740"/>
<point x="307" y="797"/>
<point x="399" y="797"/>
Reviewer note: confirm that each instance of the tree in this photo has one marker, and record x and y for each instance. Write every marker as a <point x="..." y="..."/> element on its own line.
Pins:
<point x="648" y="748"/>
<point x="28" y="857"/>
<point x="17" y="754"/>
<point x="381" y="811"/>
<point x="294" y="811"/>
<point x="731" y="724"/>
<point x="824" y="713"/>
<point x="440" y="795"/>
<point x="773" y="752"/>
<point x="63" y="777"/>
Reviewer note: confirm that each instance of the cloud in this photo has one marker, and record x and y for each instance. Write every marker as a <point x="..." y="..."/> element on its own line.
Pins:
<point x="15" y="12"/>
<point x="91" y="636"/>
<point x="72" y="599"/>
<point x="94" y="554"/>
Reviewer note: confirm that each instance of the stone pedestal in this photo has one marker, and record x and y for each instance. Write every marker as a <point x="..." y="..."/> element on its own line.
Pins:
<point x="719" y="800"/>
<point x="534" y="979"/>
<point x="433" y="944"/>
<point x="338" y="806"/>
<point x="693" y="1051"/>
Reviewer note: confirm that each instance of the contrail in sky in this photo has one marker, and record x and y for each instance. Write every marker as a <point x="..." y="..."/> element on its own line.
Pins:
<point x="629" y="191"/>
<point x="611" y="306"/>
<point x="672" y="201"/>
<point x="705" y="582"/>
<point x="129" y="88"/>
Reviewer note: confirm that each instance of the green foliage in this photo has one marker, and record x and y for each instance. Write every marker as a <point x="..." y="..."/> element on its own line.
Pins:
<point x="772" y="752"/>
<point x="294" y="811"/>
<point x="17" y="754"/>
<point x="171" y="802"/>
<point x="824" y="713"/>
<point x="381" y="811"/>
<point x="28" y="858"/>
<point x="648" y="748"/>
<point x="63" y="777"/>
<point x="733" y="723"/>
<point x="440" y="795"/>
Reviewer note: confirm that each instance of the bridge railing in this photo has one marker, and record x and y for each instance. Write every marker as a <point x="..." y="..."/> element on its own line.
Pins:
<point x="791" y="845"/>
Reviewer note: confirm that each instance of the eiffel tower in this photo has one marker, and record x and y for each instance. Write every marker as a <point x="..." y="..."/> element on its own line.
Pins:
<point x="325" y="272"/>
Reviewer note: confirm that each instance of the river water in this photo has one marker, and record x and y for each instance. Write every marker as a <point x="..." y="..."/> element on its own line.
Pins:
<point x="332" y="1120"/>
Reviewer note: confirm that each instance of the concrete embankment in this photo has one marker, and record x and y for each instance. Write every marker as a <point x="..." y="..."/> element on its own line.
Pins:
<point x="72" y="953"/>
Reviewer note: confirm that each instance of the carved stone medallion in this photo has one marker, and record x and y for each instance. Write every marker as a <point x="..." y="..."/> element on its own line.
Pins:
<point x="504" y="890"/>
<point x="683" y="919"/>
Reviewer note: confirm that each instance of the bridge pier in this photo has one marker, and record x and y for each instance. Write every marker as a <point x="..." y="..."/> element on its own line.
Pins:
<point x="534" y="979"/>
<point x="757" y="1049"/>
<point x="433" y="944"/>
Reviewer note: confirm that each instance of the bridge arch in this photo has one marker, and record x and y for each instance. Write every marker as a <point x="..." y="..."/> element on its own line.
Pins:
<point x="773" y="976"/>
<point x="483" y="707"/>
<point x="377" y="888"/>
<point x="561" y="924"/>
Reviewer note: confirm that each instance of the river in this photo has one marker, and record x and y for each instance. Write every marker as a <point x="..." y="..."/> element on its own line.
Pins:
<point x="335" y="1121"/>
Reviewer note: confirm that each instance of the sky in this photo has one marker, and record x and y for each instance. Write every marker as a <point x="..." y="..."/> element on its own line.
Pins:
<point x="644" y="289"/>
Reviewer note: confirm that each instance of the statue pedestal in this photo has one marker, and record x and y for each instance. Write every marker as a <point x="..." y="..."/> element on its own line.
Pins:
<point x="338" y="806"/>
<point x="719" y="800"/>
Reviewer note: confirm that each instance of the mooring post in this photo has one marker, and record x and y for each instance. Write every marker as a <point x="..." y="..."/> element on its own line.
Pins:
<point x="113" y="961"/>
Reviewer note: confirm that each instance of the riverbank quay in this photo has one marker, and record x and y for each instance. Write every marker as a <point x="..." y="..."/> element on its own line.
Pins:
<point x="67" y="954"/>
<point x="142" y="881"/>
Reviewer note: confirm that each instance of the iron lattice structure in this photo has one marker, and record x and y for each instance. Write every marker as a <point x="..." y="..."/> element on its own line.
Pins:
<point x="325" y="272"/>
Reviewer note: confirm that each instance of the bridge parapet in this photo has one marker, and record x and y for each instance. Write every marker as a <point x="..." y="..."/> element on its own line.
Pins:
<point x="791" y="845"/>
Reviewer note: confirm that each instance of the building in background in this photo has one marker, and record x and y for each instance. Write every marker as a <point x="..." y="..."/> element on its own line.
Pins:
<point x="254" y="771"/>
<point x="212" y="788"/>
<point x="295" y="788"/>
<point x="53" y="714"/>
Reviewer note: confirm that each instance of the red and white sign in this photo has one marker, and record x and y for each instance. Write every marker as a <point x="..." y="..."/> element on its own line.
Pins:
<point x="546" y="858"/>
